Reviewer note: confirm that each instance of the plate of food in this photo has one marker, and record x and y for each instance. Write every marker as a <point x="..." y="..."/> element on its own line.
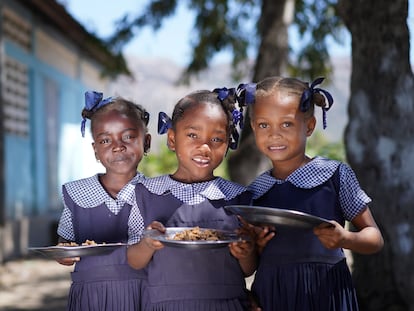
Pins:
<point x="71" y="249"/>
<point x="194" y="237"/>
<point x="275" y="216"/>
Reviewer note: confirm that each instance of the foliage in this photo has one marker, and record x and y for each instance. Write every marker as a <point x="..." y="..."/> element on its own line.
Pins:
<point x="315" y="21"/>
<point x="319" y="145"/>
<point x="219" y="25"/>
<point x="160" y="163"/>
<point x="165" y="162"/>
<point x="230" y="25"/>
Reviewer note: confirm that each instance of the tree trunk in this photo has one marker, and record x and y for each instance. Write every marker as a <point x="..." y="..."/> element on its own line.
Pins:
<point x="379" y="144"/>
<point x="247" y="162"/>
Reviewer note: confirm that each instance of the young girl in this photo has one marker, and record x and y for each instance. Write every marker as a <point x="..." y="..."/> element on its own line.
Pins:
<point x="305" y="269"/>
<point x="186" y="279"/>
<point x="99" y="208"/>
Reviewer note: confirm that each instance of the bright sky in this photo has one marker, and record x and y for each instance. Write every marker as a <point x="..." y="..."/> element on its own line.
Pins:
<point x="171" y="41"/>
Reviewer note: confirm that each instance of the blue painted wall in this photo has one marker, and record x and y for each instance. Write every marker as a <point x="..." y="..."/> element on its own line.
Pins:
<point x="26" y="164"/>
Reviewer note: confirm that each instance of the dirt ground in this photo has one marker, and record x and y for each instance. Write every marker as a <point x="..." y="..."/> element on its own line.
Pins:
<point x="34" y="284"/>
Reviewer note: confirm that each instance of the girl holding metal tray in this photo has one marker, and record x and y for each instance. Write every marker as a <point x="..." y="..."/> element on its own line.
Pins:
<point x="301" y="268"/>
<point x="202" y="129"/>
<point x="99" y="207"/>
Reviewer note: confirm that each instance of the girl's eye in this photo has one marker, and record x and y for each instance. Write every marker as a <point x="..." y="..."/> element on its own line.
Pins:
<point x="104" y="141"/>
<point x="217" y="140"/>
<point x="286" y="124"/>
<point x="263" y="125"/>
<point x="192" y="135"/>
<point x="127" y="137"/>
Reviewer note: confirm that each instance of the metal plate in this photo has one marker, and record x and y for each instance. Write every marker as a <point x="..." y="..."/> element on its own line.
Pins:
<point x="225" y="237"/>
<point x="275" y="216"/>
<point x="76" y="251"/>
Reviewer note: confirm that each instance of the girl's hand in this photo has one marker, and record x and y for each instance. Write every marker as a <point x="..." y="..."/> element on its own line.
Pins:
<point x="151" y="243"/>
<point x="243" y="249"/>
<point x="331" y="236"/>
<point x="367" y="240"/>
<point x="68" y="261"/>
<point x="140" y="254"/>
<point x="263" y="236"/>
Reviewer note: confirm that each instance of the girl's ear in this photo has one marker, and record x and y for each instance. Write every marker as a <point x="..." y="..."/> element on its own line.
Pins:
<point x="171" y="139"/>
<point x="147" y="143"/>
<point x="310" y="126"/>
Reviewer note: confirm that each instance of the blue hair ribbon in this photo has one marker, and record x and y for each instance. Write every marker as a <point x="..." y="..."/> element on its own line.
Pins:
<point x="93" y="101"/>
<point x="245" y="94"/>
<point x="164" y="123"/>
<point x="223" y="93"/>
<point x="307" y="96"/>
<point x="237" y="115"/>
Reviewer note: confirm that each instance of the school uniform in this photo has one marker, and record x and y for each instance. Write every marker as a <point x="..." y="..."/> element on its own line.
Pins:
<point x="296" y="272"/>
<point x="102" y="282"/>
<point x="182" y="279"/>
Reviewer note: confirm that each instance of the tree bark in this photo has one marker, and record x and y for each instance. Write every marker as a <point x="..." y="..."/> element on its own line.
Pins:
<point x="247" y="162"/>
<point x="379" y="146"/>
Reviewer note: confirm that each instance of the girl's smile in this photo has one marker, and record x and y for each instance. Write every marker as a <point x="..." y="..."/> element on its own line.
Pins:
<point x="200" y="140"/>
<point x="281" y="130"/>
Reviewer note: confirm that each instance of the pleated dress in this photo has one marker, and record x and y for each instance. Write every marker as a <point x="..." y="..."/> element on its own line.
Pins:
<point x="181" y="279"/>
<point x="102" y="282"/>
<point x="296" y="272"/>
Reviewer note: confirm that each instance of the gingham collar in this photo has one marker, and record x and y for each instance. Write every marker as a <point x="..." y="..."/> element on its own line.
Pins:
<point x="89" y="192"/>
<point x="313" y="174"/>
<point x="194" y="193"/>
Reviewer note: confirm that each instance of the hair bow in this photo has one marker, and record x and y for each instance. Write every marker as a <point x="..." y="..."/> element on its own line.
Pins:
<point x="93" y="101"/>
<point x="164" y="123"/>
<point x="146" y="117"/>
<point x="307" y="96"/>
<point x="237" y="115"/>
<point x="223" y="93"/>
<point x="245" y="94"/>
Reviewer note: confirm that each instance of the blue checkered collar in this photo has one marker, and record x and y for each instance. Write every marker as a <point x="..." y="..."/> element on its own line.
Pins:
<point x="313" y="174"/>
<point x="88" y="192"/>
<point x="194" y="193"/>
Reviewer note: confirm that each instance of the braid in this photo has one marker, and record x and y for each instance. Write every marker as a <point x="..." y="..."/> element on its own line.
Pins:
<point x="123" y="106"/>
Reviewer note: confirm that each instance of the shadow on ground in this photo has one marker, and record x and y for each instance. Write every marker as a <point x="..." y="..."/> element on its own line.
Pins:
<point x="35" y="284"/>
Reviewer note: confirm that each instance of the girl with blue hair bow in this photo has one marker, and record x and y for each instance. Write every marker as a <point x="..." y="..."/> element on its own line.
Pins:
<point x="102" y="208"/>
<point x="200" y="132"/>
<point x="304" y="269"/>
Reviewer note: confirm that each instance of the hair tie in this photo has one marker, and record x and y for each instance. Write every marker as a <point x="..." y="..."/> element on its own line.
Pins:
<point x="146" y="117"/>
<point x="234" y="139"/>
<point x="307" y="97"/>
<point x="164" y="123"/>
<point x="224" y="93"/>
<point x="93" y="101"/>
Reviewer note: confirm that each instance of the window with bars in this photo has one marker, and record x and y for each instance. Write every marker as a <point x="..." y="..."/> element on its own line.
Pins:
<point x="15" y="91"/>
<point x="15" y="75"/>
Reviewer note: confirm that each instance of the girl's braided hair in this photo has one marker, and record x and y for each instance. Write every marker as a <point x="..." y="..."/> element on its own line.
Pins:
<point x="204" y="96"/>
<point x="308" y="94"/>
<point x="121" y="105"/>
